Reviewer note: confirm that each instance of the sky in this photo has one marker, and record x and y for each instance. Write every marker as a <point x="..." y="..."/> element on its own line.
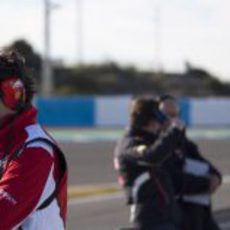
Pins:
<point x="150" y="34"/>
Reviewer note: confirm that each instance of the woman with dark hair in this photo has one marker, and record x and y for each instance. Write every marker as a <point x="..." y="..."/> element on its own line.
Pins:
<point x="138" y="158"/>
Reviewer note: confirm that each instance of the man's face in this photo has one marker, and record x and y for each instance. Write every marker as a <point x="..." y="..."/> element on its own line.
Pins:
<point x="170" y="108"/>
<point x="154" y="126"/>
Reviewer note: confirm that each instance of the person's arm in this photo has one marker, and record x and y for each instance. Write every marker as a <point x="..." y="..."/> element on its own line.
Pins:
<point x="163" y="147"/>
<point x="138" y="152"/>
<point x="185" y="183"/>
<point x="215" y="179"/>
<point x="22" y="185"/>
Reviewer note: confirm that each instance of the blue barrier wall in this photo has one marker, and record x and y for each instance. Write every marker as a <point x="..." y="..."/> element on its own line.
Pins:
<point x="73" y="111"/>
<point x="185" y="110"/>
<point x="113" y="111"/>
<point x="88" y="111"/>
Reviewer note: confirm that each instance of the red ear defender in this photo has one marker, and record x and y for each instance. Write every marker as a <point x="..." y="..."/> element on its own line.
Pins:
<point x="13" y="92"/>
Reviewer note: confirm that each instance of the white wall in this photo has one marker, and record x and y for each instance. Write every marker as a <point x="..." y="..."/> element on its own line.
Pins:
<point x="112" y="111"/>
<point x="210" y="112"/>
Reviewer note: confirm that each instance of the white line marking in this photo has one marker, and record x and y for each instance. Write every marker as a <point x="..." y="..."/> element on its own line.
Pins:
<point x="119" y="195"/>
<point x="226" y="179"/>
<point x="225" y="226"/>
<point x="97" y="198"/>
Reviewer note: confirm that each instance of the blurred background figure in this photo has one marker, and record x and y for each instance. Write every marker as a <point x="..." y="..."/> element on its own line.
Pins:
<point x="195" y="179"/>
<point x="138" y="159"/>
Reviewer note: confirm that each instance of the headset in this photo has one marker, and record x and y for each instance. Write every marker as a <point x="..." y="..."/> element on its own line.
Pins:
<point x="12" y="93"/>
<point x="12" y="78"/>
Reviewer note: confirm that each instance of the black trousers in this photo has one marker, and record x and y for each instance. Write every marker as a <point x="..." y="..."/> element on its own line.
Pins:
<point x="197" y="217"/>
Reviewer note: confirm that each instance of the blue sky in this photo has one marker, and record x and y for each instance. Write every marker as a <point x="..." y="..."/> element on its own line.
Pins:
<point x="126" y="31"/>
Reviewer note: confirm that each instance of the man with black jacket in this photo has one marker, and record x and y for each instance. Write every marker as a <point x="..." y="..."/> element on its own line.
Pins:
<point x="138" y="158"/>
<point x="194" y="178"/>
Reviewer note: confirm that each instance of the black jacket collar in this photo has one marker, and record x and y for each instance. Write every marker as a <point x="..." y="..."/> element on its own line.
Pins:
<point x="138" y="132"/>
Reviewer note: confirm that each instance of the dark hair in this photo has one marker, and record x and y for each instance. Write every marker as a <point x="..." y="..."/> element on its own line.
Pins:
<point x="13" y="64"/>
<point x="165" y="97"/>
<point x="143" y="110"/>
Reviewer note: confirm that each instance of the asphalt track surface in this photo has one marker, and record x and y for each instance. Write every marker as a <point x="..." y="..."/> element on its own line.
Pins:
<point x="91" y="163"/>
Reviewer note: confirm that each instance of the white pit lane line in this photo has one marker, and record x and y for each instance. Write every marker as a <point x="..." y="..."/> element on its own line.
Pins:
<point x="225" y="225"/>
<point x="116" y="195"/>
<point x="226" y="179"/>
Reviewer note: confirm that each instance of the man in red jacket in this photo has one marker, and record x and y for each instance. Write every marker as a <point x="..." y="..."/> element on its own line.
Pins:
<point x="33" y="172"/>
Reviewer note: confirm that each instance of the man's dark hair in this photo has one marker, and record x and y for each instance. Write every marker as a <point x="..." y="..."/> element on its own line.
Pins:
<point x="165" y="97"/>
<point x="143" y="110"/>
<point x="13" y="64"/>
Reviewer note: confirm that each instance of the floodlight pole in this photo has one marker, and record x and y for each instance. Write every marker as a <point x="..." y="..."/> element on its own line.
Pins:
<point x="80" y="31"/>
<point x="157" y="24"/>
<point x="47" y="76"/>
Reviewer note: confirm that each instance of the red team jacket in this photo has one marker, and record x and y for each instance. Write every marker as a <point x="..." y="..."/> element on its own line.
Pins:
<point x="33" y="180"/>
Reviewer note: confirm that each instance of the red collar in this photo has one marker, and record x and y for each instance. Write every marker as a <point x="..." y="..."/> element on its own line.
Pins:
<point x="13" y="126"/>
